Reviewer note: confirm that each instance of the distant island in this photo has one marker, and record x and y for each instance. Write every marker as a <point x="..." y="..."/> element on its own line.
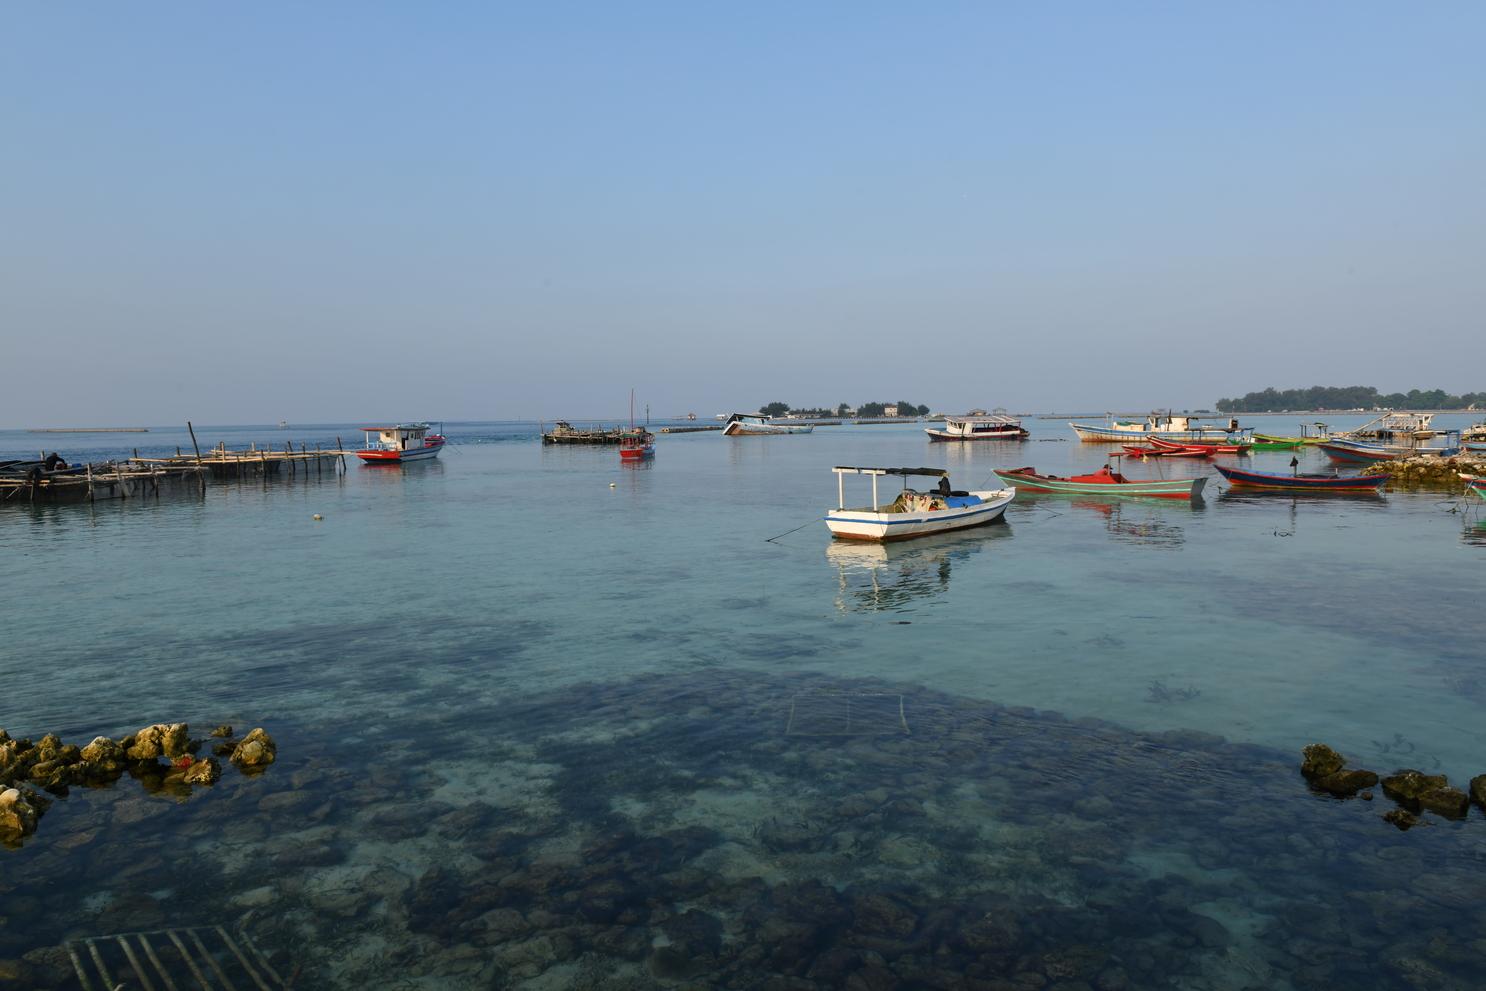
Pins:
<point x="900" y="408"/>
<point x="1273" y="400"/>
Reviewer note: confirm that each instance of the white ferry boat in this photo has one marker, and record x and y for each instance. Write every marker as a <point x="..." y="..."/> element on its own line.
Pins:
<point x="402" y="443"/>
<point x="1166" y="426"/>
<point x="992" y="426"/>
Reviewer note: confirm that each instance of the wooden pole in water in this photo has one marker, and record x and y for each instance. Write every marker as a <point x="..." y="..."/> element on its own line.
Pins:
<point x="341" y="448"/>
<point x="199" y="476"/>
<point x="90" y="481"/>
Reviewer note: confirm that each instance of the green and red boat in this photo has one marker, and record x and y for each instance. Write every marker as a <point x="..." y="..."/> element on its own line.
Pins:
<point x="1103" y="482"/>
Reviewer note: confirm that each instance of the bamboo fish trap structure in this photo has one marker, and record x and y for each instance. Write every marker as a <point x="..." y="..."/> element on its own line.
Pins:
<point x="50" y="480"/>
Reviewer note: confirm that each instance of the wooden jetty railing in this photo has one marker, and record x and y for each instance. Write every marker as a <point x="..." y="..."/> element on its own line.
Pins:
<point x="144" y="476"/>
<point x="91" y="482"/>
<point x="220" y="462"/>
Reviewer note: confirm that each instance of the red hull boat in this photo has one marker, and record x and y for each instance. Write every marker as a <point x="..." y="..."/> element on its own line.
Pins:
<point x="1209" y="448"/>
<point x="1177" y="451"/>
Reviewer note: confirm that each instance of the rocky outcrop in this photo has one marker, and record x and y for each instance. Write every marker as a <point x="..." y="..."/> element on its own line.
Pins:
<point x="1319" y="760"/>
<point x="1429" y="469"/>
<point x="206" y="771"/>
<point x="1416" y="791"/>
<point x="1345" y="783"/>
<point x="104" y="757"/>
<point x="160" y="740"/>
<point x="18" y="816"/>
<point x="1400" y="818"/>
<point x="1478" y="791"/>
<point x="1325" y="769"/>
<point x="54" y="766"/>
<point x="255" y="751"/>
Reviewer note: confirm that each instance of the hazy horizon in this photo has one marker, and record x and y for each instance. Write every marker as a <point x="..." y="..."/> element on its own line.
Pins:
<point x="471" y="212"/>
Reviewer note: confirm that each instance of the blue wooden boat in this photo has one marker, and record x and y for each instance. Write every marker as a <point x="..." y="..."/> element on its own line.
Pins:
<point x="1348" y="452"/>
<point x="1303" y="483"/>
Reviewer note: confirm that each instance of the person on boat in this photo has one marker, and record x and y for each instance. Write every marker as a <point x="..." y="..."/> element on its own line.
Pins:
<point x="54" y="462"/>
<point x="944" y="488"/>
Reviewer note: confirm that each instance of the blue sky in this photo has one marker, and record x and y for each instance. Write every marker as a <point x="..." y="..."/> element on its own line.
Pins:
<point x="344" y="210"/>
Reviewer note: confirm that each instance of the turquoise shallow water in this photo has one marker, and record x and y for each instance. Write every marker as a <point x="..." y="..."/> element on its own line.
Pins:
<point x="541" y="730"/>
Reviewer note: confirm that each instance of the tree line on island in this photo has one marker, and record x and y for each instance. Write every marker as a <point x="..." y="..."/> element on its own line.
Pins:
<point x="866" y="410"/>
<point x="1273" y="400"/>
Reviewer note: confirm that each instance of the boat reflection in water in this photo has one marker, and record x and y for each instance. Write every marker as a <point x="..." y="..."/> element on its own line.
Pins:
<point x="1139" y="523"/>
<point x="895" y="577"/>
<point x="1284" y="509"/>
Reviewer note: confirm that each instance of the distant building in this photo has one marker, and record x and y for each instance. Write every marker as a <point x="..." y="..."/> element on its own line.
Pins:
<point x="890" y="411"/>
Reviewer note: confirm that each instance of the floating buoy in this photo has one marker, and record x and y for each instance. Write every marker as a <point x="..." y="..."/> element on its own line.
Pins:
<point x="613" y="485"/>
<point x="318" y="516"/>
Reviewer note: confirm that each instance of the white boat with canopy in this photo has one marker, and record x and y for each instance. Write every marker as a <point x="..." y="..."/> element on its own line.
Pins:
<point x="1166" y="426"/>
<point x="740" y="424"/>
<point x="993" y="426"/>
<point x="912" y="513"/>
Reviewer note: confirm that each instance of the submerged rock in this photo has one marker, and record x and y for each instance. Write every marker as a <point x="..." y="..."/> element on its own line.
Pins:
<point x="1449" y="802"/>
<point x="257" y="749"/>
<point x="1319" y="760"/>
<point x="18" y="816"/>
<point x="204" y="771"/>
<point x="1478" y="791"/>
<point x="1401" y="818"/>
<point x="223" y="731"/>
<point x="1344" y="783"/>
<point x="1407" y="786"/>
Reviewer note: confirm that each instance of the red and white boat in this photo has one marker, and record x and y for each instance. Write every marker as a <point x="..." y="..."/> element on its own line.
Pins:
<point x="636" y="443"/>
<point x="400" y="444"/>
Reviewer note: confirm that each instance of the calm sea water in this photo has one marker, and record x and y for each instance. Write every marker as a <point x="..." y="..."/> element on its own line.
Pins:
<point x="550" y="721"/>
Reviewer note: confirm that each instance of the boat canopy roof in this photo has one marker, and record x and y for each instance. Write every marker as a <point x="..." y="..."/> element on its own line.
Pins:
<point x="933" y="472"/>
<point x="983" y="418"/>
<point x="400" y="426"/>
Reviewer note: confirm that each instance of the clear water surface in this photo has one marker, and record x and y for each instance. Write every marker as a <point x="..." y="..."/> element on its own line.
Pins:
<point x="546" y="720"/>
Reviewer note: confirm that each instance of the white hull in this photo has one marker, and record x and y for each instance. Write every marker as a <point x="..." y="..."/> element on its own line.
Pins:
<point x="1135" y="435"/>
<point x="737" y="429"/>
<point x="864" y="524"/>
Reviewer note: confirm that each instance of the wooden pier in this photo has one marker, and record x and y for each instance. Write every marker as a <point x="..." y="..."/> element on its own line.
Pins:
<point x="52" y="480"/>
<point x="690" y="430"/>
<point x="92" y="482"/>
<point x="255" y="462"/>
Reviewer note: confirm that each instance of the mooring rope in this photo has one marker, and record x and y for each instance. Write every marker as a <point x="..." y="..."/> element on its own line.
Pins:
<point x="813" y="519"/>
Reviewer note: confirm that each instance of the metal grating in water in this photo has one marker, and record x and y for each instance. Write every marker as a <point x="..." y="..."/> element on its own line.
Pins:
<point x="846" y="714"/>
<point x="196" y="958"/>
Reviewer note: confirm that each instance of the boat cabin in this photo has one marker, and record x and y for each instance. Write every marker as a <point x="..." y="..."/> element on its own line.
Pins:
<point x="1166" y="422"/>
<point x="987" y="425"/>
<point x="403" y="437"/>
<point x="1397" y="426"/>
<point x="907" y="498"/>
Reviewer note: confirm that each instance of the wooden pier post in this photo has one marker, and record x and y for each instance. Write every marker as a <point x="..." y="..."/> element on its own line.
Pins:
<point x="90" y="481"/>
<point x="199" y="476"/>
<point x="341" y="448"/>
